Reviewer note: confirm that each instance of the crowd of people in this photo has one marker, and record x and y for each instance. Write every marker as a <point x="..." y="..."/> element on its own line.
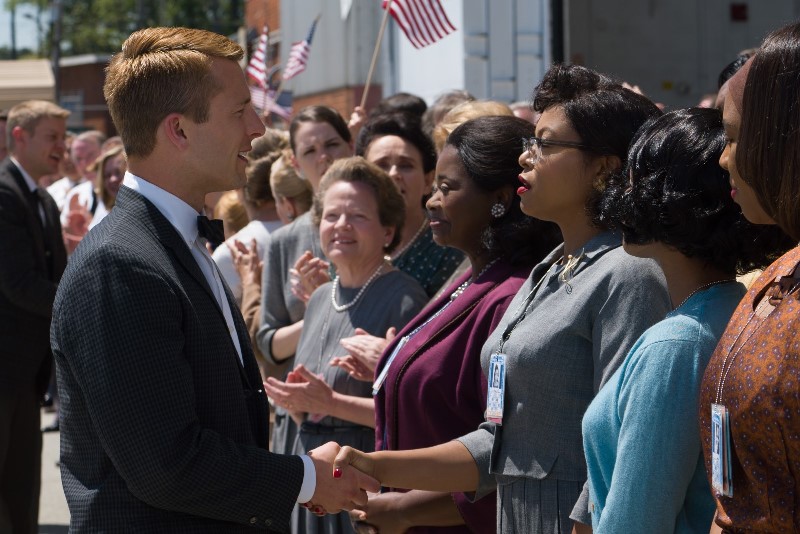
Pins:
<point x="571" y="316"/>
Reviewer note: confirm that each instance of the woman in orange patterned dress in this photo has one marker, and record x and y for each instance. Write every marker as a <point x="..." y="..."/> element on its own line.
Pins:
<point x="752" y="383"/>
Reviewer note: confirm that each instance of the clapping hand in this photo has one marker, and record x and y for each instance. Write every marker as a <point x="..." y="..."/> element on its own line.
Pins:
<point x="364" y="352"/>
<point x="77" y="225"/>
<point x="337" y="489"/>
<point x="307" y="275"/>
<point x="303" y="391"/>
<point x="246" y="260"/>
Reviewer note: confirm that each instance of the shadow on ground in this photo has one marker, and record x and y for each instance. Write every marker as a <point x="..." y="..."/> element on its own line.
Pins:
<point x="53" y="529"/>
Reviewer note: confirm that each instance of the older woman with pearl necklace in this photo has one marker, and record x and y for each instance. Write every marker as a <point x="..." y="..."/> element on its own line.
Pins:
<point x="360" y="216"/>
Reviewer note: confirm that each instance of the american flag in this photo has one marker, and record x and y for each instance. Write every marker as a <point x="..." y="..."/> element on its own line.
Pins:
<point x="264" y="100"/>
<point x="298" y="55"/>
<point x="423" y="21"/>
<point x="257" y="68"/>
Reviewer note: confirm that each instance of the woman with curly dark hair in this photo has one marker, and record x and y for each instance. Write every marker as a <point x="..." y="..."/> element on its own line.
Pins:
<point x="673" y="204"/>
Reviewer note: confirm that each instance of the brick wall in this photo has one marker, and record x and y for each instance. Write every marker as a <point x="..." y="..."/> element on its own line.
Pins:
<point x="260" y="12"/>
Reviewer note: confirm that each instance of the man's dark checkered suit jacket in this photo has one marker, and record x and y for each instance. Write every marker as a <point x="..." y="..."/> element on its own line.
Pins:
<point x="162" y="430"/>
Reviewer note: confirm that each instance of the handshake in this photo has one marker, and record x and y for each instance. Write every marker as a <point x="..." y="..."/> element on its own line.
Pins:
<point x="344" y="476"/>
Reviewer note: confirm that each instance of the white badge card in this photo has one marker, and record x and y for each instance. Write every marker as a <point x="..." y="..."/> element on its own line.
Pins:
<point x="376" y="386"/>
<point x="721" y="451"/>
<point x="497" y="389"/>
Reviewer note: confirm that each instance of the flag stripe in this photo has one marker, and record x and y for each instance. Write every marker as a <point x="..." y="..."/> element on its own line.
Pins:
<point x="424" y="16"/>
<point x="265" y="100"/>
<point x="298" y="55"/>
<point x="257" y="68"/>
<point x="422" y="21"/>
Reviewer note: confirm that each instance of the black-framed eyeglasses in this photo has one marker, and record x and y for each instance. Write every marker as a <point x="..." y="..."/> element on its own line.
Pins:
<point x="533" y="146"/>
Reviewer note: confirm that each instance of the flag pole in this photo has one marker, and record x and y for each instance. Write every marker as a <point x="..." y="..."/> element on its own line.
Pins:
<point x="375" y="52"/>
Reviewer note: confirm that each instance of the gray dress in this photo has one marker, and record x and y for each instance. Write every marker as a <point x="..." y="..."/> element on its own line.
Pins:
<point x="575" y="332"/>
<point x="392" y="299"/>
<point x="279" y="306"/>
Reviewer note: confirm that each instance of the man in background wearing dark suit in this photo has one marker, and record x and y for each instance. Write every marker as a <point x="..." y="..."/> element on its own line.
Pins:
<point x="32" y="259"/>
<point x="164" y="421"/>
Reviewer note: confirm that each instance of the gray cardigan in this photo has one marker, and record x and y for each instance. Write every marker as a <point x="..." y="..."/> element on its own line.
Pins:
<point x="573" y="337"/>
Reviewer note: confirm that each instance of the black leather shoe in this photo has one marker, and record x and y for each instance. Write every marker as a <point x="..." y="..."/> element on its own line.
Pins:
<point x="53" y="427"/>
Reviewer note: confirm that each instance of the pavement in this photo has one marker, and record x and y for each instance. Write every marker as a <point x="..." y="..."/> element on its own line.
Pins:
<point x="53" y="510"/>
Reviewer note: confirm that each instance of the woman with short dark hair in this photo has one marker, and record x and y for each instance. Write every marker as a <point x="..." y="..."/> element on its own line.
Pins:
<point x="672" y="204"/>
<point x="398" y="146"/>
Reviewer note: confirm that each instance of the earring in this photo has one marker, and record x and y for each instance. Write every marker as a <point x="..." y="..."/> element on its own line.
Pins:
<point x="498" y="210"/>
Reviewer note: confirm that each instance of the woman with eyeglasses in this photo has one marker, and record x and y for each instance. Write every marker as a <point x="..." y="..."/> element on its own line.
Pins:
<point x="564" y="334"/>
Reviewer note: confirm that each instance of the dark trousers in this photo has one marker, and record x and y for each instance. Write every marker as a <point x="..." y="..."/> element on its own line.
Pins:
<point x="20" y="461"/>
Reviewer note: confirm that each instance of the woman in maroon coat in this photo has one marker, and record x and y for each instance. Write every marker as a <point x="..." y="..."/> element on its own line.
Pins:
<point x="430" y="388"/>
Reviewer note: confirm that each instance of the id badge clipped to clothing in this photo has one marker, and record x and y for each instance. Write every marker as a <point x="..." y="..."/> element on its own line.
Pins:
<point x="497" y="389"/>
<point x="376" y="386"/>
<point x="721" y="475"/>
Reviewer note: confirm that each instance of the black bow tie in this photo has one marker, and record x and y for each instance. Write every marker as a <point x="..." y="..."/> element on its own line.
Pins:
<point x="211" y="229"/>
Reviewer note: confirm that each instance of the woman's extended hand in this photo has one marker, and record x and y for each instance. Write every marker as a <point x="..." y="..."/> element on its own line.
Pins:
<point x="383" y="514"/>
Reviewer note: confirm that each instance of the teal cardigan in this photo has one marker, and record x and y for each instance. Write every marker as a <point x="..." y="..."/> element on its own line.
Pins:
<point x="640" y="434"/>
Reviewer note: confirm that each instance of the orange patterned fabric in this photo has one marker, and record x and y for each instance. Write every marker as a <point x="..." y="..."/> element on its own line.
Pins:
<point x="756" y="370"/>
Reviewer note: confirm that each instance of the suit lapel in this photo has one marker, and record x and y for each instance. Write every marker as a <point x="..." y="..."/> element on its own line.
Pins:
<point x="163" y="230"/>
<point x="17" y="183"/>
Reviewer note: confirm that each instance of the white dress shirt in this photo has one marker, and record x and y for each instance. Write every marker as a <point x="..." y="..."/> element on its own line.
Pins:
<point x="59" y="189"/>
<point x="258" y="230"/>
<point x="184" y="218"/>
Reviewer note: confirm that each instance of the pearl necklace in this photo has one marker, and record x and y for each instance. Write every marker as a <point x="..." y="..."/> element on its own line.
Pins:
<point x="702" y="288"/>
<point x="335" y="284"/>
<point x="402" y="251"/>
<point x="463" y="287"/>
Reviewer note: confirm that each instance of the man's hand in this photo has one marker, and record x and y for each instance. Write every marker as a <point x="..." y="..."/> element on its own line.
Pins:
<point x="338" y="489"/>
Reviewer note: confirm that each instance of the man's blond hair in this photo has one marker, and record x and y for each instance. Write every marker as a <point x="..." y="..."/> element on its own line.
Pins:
<point x="27" y="115"/>
<point x="162" y="71"/>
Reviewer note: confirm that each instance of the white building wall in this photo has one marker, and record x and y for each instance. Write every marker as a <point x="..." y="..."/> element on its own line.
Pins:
<point x="435" y="69"/>
<point x="674" y="50"/>
<point x="498" y="50"/>
<point x="341" y="49"/>
<point x="506" y="45"/>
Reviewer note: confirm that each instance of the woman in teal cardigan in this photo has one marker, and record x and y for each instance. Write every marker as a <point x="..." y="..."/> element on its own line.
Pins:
<point x="640" y="434"/>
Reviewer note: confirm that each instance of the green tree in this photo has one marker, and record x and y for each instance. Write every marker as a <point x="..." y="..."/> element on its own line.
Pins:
<point x="100" y="26"/>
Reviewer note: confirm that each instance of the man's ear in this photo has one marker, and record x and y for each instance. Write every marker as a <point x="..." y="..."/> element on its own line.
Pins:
<point x="173" y="129"/>
<point x="18" y="134"/>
